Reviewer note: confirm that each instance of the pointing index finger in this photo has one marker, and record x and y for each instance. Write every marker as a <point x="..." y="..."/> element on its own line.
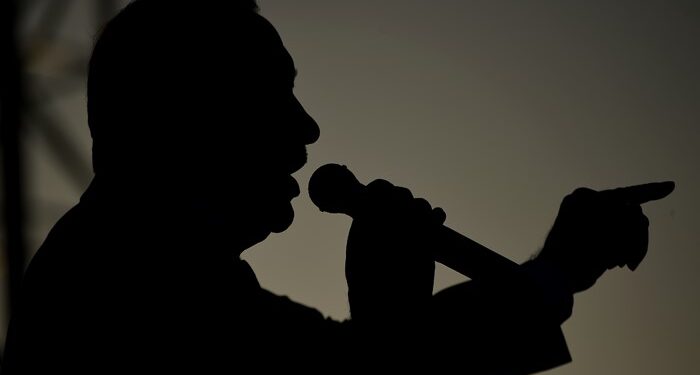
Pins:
<point x="644" y="193"/>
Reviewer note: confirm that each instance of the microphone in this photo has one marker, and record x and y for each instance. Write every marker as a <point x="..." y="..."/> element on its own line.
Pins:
<point x="333" y="188"/>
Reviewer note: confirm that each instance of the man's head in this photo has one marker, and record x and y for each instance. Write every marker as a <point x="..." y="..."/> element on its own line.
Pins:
<point x="191" y="103"/>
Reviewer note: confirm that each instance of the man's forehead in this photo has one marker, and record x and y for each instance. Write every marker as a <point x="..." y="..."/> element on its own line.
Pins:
<point x="265" y="51"/>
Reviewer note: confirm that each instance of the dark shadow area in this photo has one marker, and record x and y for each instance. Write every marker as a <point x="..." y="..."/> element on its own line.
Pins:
<point x="196" y="133"/>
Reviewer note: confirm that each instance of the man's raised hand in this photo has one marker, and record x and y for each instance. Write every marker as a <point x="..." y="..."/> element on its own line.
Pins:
<point x="598" y="230"/>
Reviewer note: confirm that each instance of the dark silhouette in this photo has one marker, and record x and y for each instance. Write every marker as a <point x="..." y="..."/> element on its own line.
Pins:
<point x="196" y="133"/>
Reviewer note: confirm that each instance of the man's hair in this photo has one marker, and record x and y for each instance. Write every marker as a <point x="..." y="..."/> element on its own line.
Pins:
<point x="153" y="55"/>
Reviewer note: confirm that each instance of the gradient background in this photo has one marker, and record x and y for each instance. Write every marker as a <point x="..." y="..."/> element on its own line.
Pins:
<point x="493" y="110"/>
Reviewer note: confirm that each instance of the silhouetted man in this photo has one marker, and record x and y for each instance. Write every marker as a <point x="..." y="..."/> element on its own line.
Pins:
<point x="196" y="133"/>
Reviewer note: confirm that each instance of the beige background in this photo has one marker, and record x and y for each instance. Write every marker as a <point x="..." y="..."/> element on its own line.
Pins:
<point x="493" y="110"/>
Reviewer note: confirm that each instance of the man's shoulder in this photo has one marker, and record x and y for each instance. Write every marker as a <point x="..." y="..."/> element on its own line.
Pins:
<point x="63" y="241"/>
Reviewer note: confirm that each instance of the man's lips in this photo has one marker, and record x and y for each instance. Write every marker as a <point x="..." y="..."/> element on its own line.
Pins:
<point x="294" y="190"/>
<point x="280" y="179"/>
<point x="295" y="162"/>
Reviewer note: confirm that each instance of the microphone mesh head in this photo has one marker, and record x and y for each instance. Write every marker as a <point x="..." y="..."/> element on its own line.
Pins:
<point x="333" y="188"/>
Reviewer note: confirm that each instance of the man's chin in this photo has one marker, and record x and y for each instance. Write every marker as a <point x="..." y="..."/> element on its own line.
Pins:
<point x="281" y="218"/>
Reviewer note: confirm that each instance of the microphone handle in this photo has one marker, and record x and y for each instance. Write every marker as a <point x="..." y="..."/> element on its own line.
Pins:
<point x="333" y="188"/>
<point x="469" y="257"/>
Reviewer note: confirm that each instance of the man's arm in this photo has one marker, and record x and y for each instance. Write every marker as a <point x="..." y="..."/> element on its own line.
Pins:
<point x="504" y="325"/>
<point x="594" y="231"/>
<point x="508" y="324"/>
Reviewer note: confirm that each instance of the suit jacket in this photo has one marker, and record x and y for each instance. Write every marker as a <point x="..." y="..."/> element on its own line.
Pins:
<point x="115" y="288"/>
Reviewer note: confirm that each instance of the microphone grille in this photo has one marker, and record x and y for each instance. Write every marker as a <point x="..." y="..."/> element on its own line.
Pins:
<point x="333" y="188"/>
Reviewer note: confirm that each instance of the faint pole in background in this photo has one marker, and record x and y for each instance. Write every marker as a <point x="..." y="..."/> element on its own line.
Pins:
<point x="37" y="66"/>
<point x="11" y="107"/>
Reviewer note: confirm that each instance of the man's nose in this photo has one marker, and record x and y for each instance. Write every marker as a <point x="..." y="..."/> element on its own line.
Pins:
<point x="308" y="128"/>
